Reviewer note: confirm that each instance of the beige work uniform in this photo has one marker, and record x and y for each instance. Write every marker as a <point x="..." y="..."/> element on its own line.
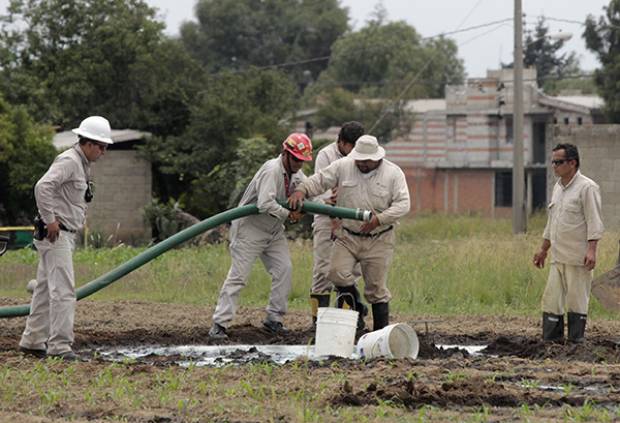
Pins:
<point x="383" y="191"/>
<point x="260" y="236"/>
<point x="322" y="229"/>
<point x="59" y="196"/>
<point x="574" y="218"/>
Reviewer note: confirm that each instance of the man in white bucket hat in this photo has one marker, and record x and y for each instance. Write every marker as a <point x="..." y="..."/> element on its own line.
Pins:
<point x="61" y="196"/>
<point x="365" y="180"/>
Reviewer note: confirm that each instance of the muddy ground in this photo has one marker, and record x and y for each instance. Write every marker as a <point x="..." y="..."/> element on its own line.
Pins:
<point x="516" y="377"/>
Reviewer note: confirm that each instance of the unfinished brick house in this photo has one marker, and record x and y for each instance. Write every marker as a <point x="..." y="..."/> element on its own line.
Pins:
<point x="123" y="185"/>
<point x="458" y="156"/>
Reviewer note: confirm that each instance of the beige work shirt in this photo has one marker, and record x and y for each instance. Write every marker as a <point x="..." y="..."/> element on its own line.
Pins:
<point x="324" y="158"/>
<point x="59" y="193"/>
<point x="264" y="189"/>
<point x="384" y="191"/>
<point x="574" y="218"/>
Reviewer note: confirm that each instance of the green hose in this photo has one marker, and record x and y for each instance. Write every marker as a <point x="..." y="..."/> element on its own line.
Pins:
<point x="180" y="237"/>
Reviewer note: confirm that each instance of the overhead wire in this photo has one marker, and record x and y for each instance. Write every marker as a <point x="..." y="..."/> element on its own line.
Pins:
<point x="386" y="109"/>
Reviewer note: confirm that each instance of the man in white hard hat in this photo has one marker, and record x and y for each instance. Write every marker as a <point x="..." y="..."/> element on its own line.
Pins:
<point x="324" y="227"/>
<point x="367" y="181"/>
<point x="61" y="196"/>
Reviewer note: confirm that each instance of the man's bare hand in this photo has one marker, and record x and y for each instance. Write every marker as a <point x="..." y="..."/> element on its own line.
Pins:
<point x="333" y="198"/>
<point x="53" y="229"/>
<point x="589" y="260"/>
<point x="295" y="216"/>
<point x="539" y="259"/>
<point x="336" y="224"/>
<point x="370" y="226"/>
<point x="296" y="200"/>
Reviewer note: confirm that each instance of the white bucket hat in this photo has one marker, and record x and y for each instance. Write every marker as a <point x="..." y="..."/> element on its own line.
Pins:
<point x="367" y="148"/>
<point x="95" y="128"/>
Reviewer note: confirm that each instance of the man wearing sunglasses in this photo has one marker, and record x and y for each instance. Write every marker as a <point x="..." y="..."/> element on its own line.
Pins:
<point x="61" y="196"/>
<point x="262" y="235"/>
<point x="574" y="226"/>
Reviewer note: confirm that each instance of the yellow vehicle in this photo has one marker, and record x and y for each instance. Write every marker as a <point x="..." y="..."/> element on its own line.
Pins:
<point x="14" y="237"/>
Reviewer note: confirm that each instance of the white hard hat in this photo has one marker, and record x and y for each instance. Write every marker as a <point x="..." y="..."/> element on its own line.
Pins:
<point x="95" y="128"/>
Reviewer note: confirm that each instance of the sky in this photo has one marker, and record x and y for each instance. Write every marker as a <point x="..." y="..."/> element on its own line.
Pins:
<point x="480" y="49"/>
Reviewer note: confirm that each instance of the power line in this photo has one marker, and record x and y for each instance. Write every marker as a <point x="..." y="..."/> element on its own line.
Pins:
<point x="386" y="109"/>
<point x="471" y="28"/>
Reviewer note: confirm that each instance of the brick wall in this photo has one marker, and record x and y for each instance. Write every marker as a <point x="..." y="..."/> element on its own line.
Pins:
<point x="599" y="152"/>
<point x="122" y="188"/>
<point x="451" y="190"/>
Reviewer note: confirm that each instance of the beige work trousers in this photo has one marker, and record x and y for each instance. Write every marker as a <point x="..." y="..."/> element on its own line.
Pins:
<point x="244" y="250"/>
<point x="52" y="308"/>
<point x="568" y="289"/>
<point x="374" y="256"/>
<point x="322" y="246"/>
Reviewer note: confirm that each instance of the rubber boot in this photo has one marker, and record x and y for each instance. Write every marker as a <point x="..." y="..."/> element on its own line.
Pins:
<point x="316" y="301"/>
<point x="348" y="297"/>
<point x="380" y="315"/>
<point x="553" y="327"/>
<point x="577" y="327"/>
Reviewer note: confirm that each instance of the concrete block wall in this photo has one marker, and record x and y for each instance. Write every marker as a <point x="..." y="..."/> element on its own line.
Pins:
<point x="599" y="152"/>
<point x="123" y="186"/>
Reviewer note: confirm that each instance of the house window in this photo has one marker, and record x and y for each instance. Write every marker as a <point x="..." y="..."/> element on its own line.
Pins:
<point x="566" y="121"/>
<point x="452" y="126"/>
<point x="579" y="120"/>
<point x="509" y="130"/>
<point x="503" y="189"/>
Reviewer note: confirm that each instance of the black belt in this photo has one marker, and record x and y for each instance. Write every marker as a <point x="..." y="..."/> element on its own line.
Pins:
<point x="376" y="234"/>
<point x="64" y="228"/>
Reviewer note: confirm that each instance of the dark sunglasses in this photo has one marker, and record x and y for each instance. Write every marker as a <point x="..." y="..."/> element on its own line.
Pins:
<point x="559" y="162"/>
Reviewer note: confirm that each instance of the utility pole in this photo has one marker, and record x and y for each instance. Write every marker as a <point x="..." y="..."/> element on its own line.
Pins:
<point x="518" y="170"/>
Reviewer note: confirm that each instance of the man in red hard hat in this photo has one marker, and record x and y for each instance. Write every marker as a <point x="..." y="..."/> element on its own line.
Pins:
<point x="262" y="235"/>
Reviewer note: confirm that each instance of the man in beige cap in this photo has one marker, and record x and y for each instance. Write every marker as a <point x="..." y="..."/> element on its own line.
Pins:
<point x="61" y="195"/>
<point x="365" y="180"/>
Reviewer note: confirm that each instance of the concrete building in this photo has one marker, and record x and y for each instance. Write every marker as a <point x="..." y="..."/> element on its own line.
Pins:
<point x="458" y="156"/>
<point x="123" y="186"/>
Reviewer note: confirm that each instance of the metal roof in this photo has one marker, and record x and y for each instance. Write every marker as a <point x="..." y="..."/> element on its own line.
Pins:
<point x="67" y="138"/>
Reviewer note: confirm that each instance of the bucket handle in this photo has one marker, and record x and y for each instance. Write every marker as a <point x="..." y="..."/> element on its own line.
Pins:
<point x="347" y="294"/>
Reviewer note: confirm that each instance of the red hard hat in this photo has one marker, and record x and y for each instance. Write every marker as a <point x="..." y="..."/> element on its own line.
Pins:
<point x="299" y="145"/>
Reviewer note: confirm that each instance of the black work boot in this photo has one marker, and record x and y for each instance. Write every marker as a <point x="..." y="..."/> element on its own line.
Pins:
<point x="380" y="315"/>
<point x="553" y="327"/>
<point x="577" y="327"/>
<point x="316" y="301"/>
<point x="349" y="298"/>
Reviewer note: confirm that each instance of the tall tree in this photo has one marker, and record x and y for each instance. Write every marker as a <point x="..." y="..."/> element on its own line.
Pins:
<point x="543" y="53"/>
<point x="66" y="59"/>
<point x="25" y="153"/>
<point x="603" y="39"/>
<point x="234" y="34"/>
<point x="232" y="107"/>
<point x="381" y="59"/>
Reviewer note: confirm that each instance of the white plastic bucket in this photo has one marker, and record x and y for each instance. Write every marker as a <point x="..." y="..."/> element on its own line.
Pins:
<point x="335" y="331"/>
<point x="394" y="341"/>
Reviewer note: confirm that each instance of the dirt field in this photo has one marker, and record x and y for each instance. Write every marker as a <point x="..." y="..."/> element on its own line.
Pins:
<point x="516" y="378"/>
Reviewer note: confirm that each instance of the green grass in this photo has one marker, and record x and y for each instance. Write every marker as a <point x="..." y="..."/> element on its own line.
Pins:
<point x="442" y="265"/>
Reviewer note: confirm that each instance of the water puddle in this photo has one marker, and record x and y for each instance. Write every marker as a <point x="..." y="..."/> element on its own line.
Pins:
<point x="473" y="350"/>
<point x="213" y="355"/>
<point x="597" y="388"/>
